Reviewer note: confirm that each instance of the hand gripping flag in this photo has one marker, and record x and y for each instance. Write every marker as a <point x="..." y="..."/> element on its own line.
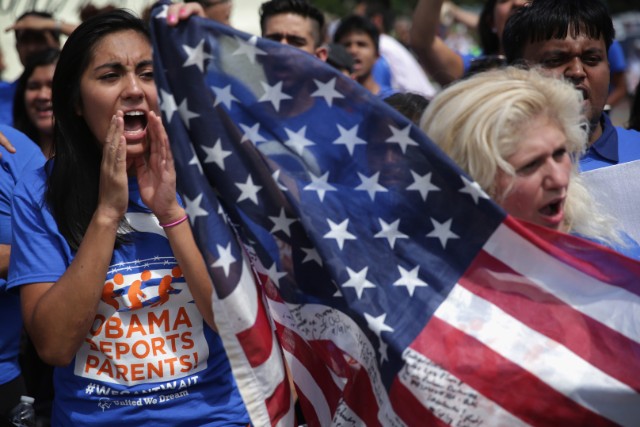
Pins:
<point x="342" y="241"/>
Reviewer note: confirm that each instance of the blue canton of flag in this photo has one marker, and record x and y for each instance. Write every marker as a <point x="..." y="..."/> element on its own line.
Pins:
<point x="340" y="239"/>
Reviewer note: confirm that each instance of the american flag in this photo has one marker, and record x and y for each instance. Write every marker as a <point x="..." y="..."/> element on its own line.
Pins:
<point x="342" y="241"/>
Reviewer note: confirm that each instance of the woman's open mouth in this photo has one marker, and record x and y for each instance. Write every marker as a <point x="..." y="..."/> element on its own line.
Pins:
<point x="135" y="124"/>
<point x="553" y="213"/>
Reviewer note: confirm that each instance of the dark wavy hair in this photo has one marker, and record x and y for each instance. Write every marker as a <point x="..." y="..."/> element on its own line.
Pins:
<point x="489" y="40"/>
<point x="543" y="20"/>
<point x="21" y="120"/>
<point x="74" y="178"/>
<point x="634" y="113"/>
<point x="297" y="7"/>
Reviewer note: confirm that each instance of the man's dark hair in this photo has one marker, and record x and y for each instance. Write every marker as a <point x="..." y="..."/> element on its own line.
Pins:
<point x="356" y="23"/>
<point x="297" y="7"/>
<point x="543" y="20"/>
<point x="410" y="105"/>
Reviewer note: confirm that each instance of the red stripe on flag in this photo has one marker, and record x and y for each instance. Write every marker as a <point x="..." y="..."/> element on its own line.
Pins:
<point x="410" y="409"/>
<point x="279" y="403"/>
<point x="497" y="378"/>
<point x="358" y="395"/>
<point x="591" y="340"/>
<point x="591" y="258"/>
<point x="317" y="367"/>
<point x="257" y="341"/>
<point x="310" y="416"/>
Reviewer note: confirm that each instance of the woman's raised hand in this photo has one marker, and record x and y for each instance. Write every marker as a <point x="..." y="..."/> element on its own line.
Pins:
<point x="181" y="11"/>
<point x="113" y="196"/>
<point x="157" y="175"/>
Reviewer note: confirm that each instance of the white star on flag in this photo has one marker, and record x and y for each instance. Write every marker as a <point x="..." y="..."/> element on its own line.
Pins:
<point x="358" y="281"/>
<point x="422" y="184"/>
<point x="377" y="325"/>
<point x="163" y="12"/>
<point x="248" y="190"/>
<point x="339" y="232"/>
<point x="370" y="184"/>
<point x="297" y="140"/>
<point x="282" y="222"/>
<point x="401" y="137"/>
<point x="193" y="208"/>
<point x="274" y="274"/>
<point x="167" y="104"/>
<point x="216" y="154"/>
<point x="225" y="258"/>
<point x="196" y="56"/>
<point x="410" y="279"/>
<point x="390" y="232"/>
<point x="185" y="114"/>
<point x="327" y="91"/>
<point x="249" y="48"/>
<point x="473" y="189"/>
<point x="349" y="138"/>
<point x="383" y="351"/>
<point x="273" y="94"/>
<point x="442" y="231"/>
<point x="223" y="214"/>
<point x="252" y="133"/>
<point x="311" y="254"/>
<point x="195" y="162"/>
<point x="276" y="178"/>
<point x="320" y="185"/>
<point x="223" y="96"/>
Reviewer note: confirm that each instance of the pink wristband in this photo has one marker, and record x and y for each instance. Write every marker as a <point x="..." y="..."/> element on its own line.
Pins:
<point x="174" y="223"/>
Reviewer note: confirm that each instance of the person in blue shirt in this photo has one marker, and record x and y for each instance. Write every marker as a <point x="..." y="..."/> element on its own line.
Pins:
<point x="295" y="23"/>
<point x="13" y="167"/>
<point x="35" y="31"/>
<point x="618" y="74"/>
<point x="360" y="38"/>
<point x="570" y="40"/>
<point x="114" y="290"/>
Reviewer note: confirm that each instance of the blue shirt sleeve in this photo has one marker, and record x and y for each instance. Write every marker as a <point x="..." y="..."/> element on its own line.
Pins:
<point x="39" y="253"/>
<point x="617" y="61"/>
<point x="12" y="168"/>
<point x="382" y="73"/>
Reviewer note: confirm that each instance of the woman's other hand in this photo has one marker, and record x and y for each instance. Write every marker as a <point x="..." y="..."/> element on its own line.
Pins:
<point x="182" y="11"/>
<point x="156" y="174"/>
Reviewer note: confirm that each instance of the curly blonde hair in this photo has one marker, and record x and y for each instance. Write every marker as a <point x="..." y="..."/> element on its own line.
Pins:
<point x="478" y="122"/>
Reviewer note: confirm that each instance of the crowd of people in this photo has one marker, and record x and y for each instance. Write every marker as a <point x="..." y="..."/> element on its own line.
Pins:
<point x="88" y="181"/>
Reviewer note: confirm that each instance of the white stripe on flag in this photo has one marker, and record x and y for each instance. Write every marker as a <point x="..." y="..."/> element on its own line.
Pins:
<point x="348" y="337"/>
<point x="580" y="291"/>
<point x="545" y="358"/>
<point x="429" y="383"/>
<point x="244" y="300"/>
<point x="345" y="417"/>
